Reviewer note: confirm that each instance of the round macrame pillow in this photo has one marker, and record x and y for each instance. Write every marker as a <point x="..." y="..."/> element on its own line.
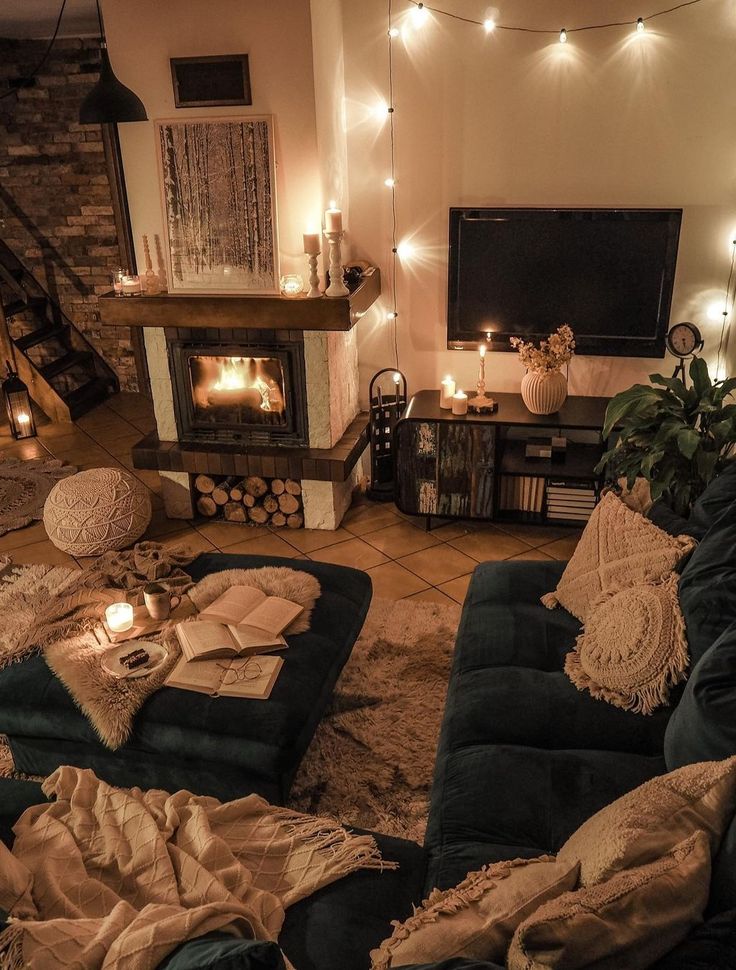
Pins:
<point x="633" y="649"/>
<point x="97" y="511"/>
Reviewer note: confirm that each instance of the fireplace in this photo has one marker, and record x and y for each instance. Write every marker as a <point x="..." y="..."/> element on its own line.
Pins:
<point x="246" y="391"/>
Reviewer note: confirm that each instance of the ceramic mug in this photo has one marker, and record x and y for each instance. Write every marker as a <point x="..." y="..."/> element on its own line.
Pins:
<point x="159" y="601"/>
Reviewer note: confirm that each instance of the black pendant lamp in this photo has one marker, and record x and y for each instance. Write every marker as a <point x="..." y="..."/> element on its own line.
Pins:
<point x="109" y="101"/>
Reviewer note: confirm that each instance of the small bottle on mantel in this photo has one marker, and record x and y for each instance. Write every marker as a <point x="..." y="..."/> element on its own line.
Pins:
<point x="151" y="282"/>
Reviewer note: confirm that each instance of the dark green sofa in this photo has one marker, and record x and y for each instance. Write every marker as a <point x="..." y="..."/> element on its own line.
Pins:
<point x="524" y="758"/>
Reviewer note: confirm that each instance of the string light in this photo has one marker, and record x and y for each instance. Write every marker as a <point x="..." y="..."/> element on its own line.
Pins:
<point x="489" y="25"/>
<point x="389" y="182"/>
<point x="725" y="330"/>
<point x="405" y="250"/>
<point x="391" y="315"/>
<point x="394" y="32"/>
<point x="420" y="14"/>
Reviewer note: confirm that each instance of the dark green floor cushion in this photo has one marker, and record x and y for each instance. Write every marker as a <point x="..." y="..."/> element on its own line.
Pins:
<point x="708" y="585"/>
<point x="219" y="951"/>
<point x="262" y="739"/>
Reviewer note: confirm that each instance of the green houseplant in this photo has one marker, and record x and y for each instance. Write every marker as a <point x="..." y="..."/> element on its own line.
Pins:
<point x="676" y="437"/>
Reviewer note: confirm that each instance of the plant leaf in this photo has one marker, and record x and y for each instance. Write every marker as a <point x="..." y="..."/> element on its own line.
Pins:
<point x="688" y="441"/>
<point x="699" y="376"/>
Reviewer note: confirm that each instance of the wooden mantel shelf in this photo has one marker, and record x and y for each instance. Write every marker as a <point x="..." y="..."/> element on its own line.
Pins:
<point x="235" y="311"/>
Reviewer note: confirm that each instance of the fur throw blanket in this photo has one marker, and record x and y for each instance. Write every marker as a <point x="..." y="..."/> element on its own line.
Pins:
<point x="103" y="878"/>
<point x="66" y="627"/>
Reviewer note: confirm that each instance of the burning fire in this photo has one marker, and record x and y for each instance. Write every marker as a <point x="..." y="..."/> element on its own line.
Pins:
<point x="234" y="376"/>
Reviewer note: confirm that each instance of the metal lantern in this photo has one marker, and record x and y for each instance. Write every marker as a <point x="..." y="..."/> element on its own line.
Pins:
<point x="18" y="406"/>
<point x="386" y="407"/>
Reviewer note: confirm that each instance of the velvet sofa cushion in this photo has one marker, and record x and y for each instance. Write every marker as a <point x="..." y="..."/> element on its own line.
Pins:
<point x="337" y="927"/>
<point x="703" y="727"/>
<point x="457" y="963"/>
<point x="15" y="798"/>
<point x="263" y="739"/>
<point x="719" y="494"/>
<point x="710" y="945"/>
<point x="220" y="951"/>
<point x="669" y="521"/>
<point x="708" y="585"/>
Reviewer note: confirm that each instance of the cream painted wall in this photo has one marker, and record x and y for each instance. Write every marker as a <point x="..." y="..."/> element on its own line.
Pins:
<point x="610" y="119"/>
<point x="142" y="36"/>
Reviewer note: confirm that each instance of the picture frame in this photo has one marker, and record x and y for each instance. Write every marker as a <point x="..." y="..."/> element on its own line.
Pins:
<point x="218" y="197"/>
<point x="212" y="81"/>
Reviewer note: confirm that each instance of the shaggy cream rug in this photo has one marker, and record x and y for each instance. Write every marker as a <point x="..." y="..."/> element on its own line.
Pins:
<point x="371" y="761"/>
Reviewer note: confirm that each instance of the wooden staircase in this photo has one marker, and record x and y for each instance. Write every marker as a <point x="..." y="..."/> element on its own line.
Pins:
<point x="66" y="376"/>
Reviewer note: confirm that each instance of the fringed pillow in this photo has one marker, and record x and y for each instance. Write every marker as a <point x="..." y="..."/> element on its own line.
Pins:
<point x="633" y="649"/>
<point x="478" y="917"/>
<point x="643" y="824"/>
<point x="630" y="921"/>
<point x="618" y="548"/>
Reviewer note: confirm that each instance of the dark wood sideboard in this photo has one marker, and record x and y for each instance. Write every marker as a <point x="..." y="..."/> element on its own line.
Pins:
<point x="452" y="466"/>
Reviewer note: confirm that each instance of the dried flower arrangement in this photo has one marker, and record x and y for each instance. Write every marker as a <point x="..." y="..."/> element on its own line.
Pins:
<point x="550" y="355"/>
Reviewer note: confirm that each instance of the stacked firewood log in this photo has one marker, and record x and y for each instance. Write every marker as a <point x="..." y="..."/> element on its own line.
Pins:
<point x="262" y="501"/>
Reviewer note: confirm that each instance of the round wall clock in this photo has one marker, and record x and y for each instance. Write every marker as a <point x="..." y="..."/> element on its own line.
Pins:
<point x="683" y="340"/>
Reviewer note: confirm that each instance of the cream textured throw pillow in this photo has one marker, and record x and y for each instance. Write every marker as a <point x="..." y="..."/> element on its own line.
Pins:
<point x="633" y="648"/>
<point x="628" y="922"/>
<point x="618" y="548"/>
<point x="645" y="823"/>
<point x="478" y="917"/>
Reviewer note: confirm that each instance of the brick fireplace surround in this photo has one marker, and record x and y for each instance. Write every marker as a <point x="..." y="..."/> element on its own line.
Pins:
<point x="325" y="453"/>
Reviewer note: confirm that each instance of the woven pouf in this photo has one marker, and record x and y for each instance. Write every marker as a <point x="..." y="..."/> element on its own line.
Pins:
<point x="97" y="511"/>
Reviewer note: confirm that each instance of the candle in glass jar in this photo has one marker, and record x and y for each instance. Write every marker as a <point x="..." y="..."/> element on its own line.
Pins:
<point x="333" y="219"/>
<point x="131" y="285"/>
<point x="460" y="403"/>
<point x="312" y="243"/>
<point x="446" y="392"/>
<point x="119" y="617"/>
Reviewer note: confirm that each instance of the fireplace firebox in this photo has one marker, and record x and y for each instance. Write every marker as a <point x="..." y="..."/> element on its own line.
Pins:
<point x="249" y="392"/>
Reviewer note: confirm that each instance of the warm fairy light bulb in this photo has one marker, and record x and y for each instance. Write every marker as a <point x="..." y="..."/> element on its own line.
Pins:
<point x="391" y="315"/>
<point x="381" y="110"/>
<point x="397" y="378"/>
<point x="563" y="36"/>
<point x="419" y="15"/>
<point x="394" y="32"/>
<point x="404" y="250"/>
<point x="640" y="25"/>
<point x="389" y="183"/>
<point x="489" y="25"/>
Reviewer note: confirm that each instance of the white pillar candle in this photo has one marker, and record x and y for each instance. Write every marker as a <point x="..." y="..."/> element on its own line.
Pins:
<point x="460" y="403"/>
<point x="333" y="219"/>
<point x="312" y="243"/>
<point x="446" y="392"/>
<point x="119" y="617"/>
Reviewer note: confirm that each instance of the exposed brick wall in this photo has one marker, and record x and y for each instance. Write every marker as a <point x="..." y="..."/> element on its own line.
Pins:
<point x="55" y="202"/>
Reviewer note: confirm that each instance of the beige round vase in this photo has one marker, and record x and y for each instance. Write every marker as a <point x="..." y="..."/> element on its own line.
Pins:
<point x="543" y="393"/>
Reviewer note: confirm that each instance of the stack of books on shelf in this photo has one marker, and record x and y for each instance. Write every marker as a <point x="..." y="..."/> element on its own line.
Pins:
<point x="572" y="501"/>
<point x="226" y="650"/>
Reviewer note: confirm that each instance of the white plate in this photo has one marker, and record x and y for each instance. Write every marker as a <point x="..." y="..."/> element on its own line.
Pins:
<point x="111" y="659"/>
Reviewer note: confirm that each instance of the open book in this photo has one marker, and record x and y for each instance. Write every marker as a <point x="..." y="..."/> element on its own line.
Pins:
<point x="252" y="677"/>
<point x="240" y="622"/>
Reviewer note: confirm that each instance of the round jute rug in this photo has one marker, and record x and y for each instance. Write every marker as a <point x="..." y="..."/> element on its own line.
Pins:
<point x="371" y="761"/>
<point x="24" y="487"/>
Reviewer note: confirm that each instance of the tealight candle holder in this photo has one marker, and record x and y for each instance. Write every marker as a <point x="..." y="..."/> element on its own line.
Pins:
<point x="292" y="285"/>
<point x="119" y="617"/>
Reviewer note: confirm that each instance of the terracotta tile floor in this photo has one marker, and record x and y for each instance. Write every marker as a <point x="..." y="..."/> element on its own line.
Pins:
<point x="403" y="560"/>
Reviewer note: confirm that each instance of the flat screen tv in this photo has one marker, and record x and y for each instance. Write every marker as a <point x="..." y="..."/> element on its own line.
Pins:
<point x="608" y="273"/>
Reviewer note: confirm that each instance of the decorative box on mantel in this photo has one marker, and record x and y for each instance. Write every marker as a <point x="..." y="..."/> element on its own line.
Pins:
<point x="253" y="386"/>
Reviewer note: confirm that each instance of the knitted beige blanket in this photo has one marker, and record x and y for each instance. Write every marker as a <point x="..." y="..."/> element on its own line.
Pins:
<point x="109" y="879"/>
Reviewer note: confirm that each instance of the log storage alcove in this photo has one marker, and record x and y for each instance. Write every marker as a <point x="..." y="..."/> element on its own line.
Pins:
<point x="254" y="500"/>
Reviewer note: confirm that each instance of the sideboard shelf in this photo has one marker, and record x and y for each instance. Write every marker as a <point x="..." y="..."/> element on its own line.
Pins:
<point x="453" y="466"/>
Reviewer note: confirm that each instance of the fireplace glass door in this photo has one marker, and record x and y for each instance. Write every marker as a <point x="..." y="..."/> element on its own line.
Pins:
<point x="235" y="391"/>
<point x="249" y="393"/>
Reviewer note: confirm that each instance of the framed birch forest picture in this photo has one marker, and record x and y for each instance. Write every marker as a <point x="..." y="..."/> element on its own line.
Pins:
<point x="219" y="208"/>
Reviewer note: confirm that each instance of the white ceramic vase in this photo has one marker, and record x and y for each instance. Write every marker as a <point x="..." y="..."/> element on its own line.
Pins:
<point x="543" y="393"/>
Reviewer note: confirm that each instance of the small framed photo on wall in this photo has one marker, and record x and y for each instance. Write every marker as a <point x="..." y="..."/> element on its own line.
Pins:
<point x="217" y="180"/>
<point x="210" y="82"/>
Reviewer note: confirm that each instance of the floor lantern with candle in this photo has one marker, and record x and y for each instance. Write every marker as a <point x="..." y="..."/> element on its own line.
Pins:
<point x="18" y="405"/>
<point x="387" y="397"/>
